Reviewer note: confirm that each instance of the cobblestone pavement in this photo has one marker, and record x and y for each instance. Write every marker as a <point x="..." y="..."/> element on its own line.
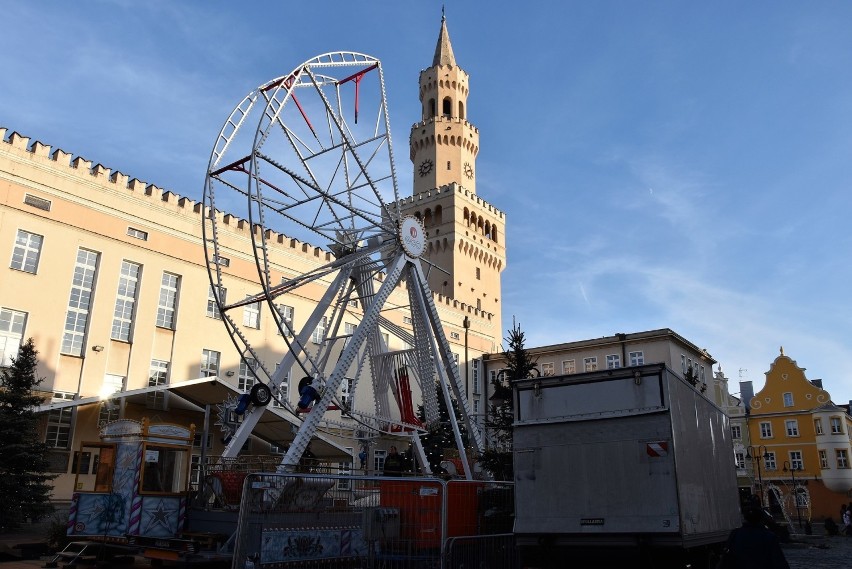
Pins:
<point x="819" y="553"/>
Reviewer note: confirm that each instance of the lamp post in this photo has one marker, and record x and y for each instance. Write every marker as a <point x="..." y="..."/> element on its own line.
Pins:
<point x="792" y="469"/>
<point x="466" y="324"/>
<point x="761" y="453"/>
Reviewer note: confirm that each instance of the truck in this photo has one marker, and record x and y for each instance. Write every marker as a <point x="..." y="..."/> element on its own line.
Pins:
<point x="632" y="463"/>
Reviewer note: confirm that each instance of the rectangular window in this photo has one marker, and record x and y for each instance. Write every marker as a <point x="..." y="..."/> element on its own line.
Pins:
<point x="637" y="358"/>
<point x="251" y="315"/>
<point x="769" y="461"/>
<point x="221" y="261"/>
<point x="195" y="470"/>
<point x="739" y="459"/>
<point x="125" y="301"/>
<point x="210" y="363"/>
<point x="110" y="407"/>
<point x="788" y="399"/>
<point x="319" y="332"/>
<point x="796" y="461"/>
<point x="27" y="251"/>
<point x="476" y="406"/>
<point x="158" y="374"/>
<point x="12" y="324"/>
<point x="766" y="430"/>
<point x="344" y="469"/>
<point x="736" y="432"/>
<point x="475" y="376"/>
<point x="792" y="427"/>
<point x="568" y="367"/>
<point x="247" y="379"/>
<point x="701" y="374"/>
<point x="454" y="335"/>
<point x="346" y="391"/>
<point x="842" y="458"/>
<point x="836" y="426"/>
<point x="386" y="340"/>
<point x="79" y="302"/>
<point x="137" y="233"/>
<point x="547" y="369"/>
<point x="818" y="426"/>
<point x="823" y="459"/>
<point x="590" y="364"/>
<point x="196" y="440"/>
<point x="59" y="423"/>
<point x="379" y="460"/>
<point x="286" y="313"/>
<point x="613" y="361"/>
<point x="683" y="364"/>
<point x="406" y="320"/>
<point x="348" y="332"/>
<point x="283" y="388"/>
<point x="167" y="306"/>
<point x="212" y="307"/>
<point x="478" y="273"/>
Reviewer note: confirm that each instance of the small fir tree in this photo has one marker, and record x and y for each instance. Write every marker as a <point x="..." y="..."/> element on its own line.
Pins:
<point x="24" y="489"/>
<point x="440" y="434"/>
<point x="497" y="458"/>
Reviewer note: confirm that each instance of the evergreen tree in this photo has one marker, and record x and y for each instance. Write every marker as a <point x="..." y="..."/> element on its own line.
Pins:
<point x="497" y="458"/>
<point x="24" y="489"/>
<point x="440" y="435"/>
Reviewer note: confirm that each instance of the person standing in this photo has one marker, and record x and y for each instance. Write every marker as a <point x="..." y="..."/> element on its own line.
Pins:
<point x="846" y="513"/>
<point x="753" y="546"/>
<point x="393" y="463"/>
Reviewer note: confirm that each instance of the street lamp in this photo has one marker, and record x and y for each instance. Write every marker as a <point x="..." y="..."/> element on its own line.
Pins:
<point x="761" y="453"/>
<point x="792" y="469"/>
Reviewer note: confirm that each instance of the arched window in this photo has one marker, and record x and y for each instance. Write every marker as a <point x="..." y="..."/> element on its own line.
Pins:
<point x="432" y="110"/>
<point x="461" y="110"/>
<point x="427" y="218"/>
<point x="448" y="108"/>
<point x="488" y="229"/>
<point x="494" y="233"/>
<point x="438" y="215"/>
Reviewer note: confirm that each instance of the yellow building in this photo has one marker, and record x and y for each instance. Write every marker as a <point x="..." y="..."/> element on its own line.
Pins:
<point x="800" y="443"/>
<point x="108" y="275"/>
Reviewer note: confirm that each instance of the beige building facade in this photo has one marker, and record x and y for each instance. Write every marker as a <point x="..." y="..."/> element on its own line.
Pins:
<point x="107" y="274"/>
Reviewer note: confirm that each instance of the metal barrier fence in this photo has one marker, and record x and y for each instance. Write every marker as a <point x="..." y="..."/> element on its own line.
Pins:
<point x="309" y="520"/>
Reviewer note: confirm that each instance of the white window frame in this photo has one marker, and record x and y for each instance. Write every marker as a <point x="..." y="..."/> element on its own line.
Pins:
<point x="246" y="378"/>
<point x="158" y="374"/>
<point x="251" y="315"/>
<point x="736" y="432"/>
<point x="125" y="301"/>
<point x="547" y="369"/>
<point x="613" y="361"/>
<point x="818" y="426"/>
<point x="80" y="302"/>
<point x="59" y="422"/>
<point x="344" y="470"/>
<point x="569" y="367"/>
<point x="792" y="427"/>
<point x="590" y="364"/>
<point x="212" y="307"/>
<point x="836" y="426"/>
<point x="475" y="374"/>
<point x="110" y="406"/>
<point x="842" y="458"/>
<point x="637" y="358"/>
<point x="210" y="362"/>
<point x="769" y="461"/>
<point x="379" y="457"/>
<point x="167" y="303"/>
<point x="796" y="460"/>
<point x="766" y="430"/>
<point x="12" y="326"/>
<point x="27" y="251"/>
<point x="318" y="335"/>
<point x="287" y="313"/>
<point x="788" y="399"/>
<point x="739" y="459"/>
<point x="823" y="459"/>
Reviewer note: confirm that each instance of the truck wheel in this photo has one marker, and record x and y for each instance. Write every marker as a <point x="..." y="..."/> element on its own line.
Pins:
<point x="260" y="394"/>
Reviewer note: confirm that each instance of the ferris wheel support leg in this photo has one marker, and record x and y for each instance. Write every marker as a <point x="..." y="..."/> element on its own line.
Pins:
<point x="444" y="350"/>
<point x="371" y="318"/>
<point x="253" y="415"/>
<point x="421" y="453"/>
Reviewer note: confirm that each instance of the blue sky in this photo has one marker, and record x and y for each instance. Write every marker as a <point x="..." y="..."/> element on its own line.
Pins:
<point x="661" y="164"/>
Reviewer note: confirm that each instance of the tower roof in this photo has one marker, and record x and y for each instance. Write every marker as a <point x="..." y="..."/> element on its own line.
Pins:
<point x="444" y="49"/>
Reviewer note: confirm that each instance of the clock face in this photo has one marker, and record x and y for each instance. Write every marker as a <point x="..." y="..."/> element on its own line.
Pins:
<point x="468" y="170"/>
<point x="425" y="167"/>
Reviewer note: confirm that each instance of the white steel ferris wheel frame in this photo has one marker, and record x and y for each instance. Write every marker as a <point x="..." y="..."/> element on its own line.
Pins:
<point x="337" y="183"/>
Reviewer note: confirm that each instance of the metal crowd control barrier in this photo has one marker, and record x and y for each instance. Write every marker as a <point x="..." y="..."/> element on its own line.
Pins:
<point x="290" y="520"/>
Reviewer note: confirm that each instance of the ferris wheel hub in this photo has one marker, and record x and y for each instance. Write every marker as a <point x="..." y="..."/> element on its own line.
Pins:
<point x="412" y="236"/>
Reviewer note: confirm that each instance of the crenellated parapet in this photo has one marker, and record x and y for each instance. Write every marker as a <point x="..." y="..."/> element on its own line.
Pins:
<point x="452" y="188"/>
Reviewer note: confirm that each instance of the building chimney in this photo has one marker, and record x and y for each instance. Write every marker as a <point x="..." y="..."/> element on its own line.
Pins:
<point x="746" y="393"/>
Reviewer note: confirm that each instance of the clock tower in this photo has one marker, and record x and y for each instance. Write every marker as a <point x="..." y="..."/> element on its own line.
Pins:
<point x="464" y="233"/>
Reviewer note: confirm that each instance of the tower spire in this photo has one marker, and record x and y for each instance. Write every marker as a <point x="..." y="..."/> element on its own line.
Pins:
<point x="444" y="49"/>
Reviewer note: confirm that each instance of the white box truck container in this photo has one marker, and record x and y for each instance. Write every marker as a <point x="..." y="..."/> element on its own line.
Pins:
<point x="631" y="462"/>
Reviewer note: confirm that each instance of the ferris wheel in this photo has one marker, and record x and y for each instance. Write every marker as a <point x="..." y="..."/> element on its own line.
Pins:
<point x="308" y="156"/>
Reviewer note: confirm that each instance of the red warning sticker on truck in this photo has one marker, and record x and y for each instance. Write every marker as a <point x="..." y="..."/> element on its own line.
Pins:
<point x="657" y="449"/>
